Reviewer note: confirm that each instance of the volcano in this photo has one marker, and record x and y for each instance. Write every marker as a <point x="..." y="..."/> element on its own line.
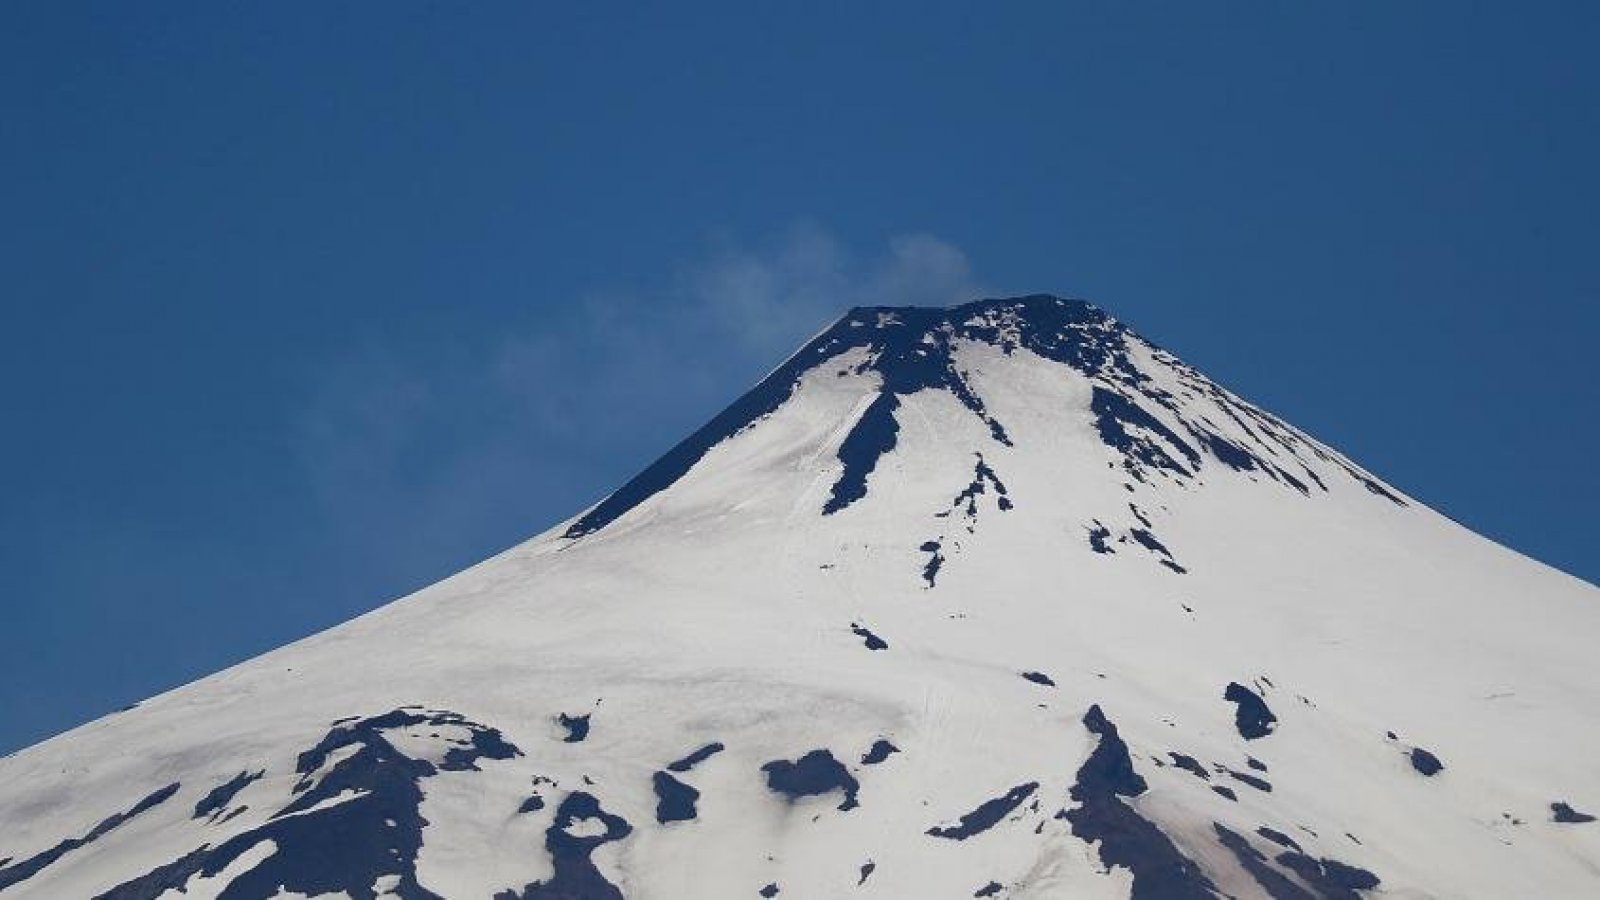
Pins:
<point x="996" y="600"/>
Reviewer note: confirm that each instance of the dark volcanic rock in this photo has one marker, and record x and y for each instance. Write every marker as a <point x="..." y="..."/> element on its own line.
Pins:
<point x="1330" y="878"/>
<point x="872" y="641"/>
<point x="219" y="796"/>
<point x="987" y="815"/>
<point x="576" y="875"/>
<point x="697" y="757"/>
<point x="813" y="774"/>
<point x="1160" y="870"/>
<point x="21" y="871"/>
<point x="1251" y="717"/>
<point x="1259" y="784"/>
<point x="1277" y="885"/>
<point x="1561" y="812"/>
<point x="577" y="727"/>
<point x="878" y="752"/>
<point x="1278" y="837"/>
<point x="1425" y="762"/>
<point x="1189" y="764"/>
<point x="355" y="817"/>
<point x="675" y="801"/>
<point x="912" y="349"/>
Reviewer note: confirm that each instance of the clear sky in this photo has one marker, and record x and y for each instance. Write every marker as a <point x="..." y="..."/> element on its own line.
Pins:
<point x="306" y="305"/>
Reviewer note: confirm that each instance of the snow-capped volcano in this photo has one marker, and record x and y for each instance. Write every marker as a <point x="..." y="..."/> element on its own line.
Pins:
<point x="999" y="600"/>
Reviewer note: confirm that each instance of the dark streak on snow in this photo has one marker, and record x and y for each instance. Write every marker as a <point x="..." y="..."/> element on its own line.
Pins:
<point x="219" y="796"/>
<point x="930" y="570"/>
<point x="981" y="475"/>
<point x="1278" y="837"/>
<point x="1098" y="536"/>
<point x="1259" y="784"/>
<point x="966" y="503"/>
<point x="1039" y="678"/>
<point x="874" y="434"/>
<point x="1331" y="879"/>
<point x="697" y="757"/>
<point x="1123" y="424"/>
<point x="912" y="349"/>
<point x="161" y="879"/>
<point x="1277" y="885"/>
<point x="21" y="871"/>
<point x="1127" y="839"/>
<point x="1149" y="542"/>
<point x="987" y="815"/>
<point x="1565" y="814"/>
<point x="872" y="641"/>
<point x="1189" y="764"/>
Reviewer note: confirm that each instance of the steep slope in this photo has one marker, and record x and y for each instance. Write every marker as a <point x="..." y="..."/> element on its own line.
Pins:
<point x="997" y="600"/>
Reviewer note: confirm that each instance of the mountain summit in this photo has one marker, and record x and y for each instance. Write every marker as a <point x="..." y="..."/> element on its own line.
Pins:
<point x="913" y="349"/>
<point x="999" y="600"/>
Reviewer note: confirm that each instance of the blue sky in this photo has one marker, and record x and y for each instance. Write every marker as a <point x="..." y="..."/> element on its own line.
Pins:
<point x="307" y="305"/>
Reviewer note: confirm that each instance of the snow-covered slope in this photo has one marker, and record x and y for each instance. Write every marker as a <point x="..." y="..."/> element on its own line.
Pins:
<point x="992" y="601"/>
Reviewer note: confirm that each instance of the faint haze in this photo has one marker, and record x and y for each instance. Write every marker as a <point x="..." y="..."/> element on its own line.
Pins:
<point x="485" y="441"/>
